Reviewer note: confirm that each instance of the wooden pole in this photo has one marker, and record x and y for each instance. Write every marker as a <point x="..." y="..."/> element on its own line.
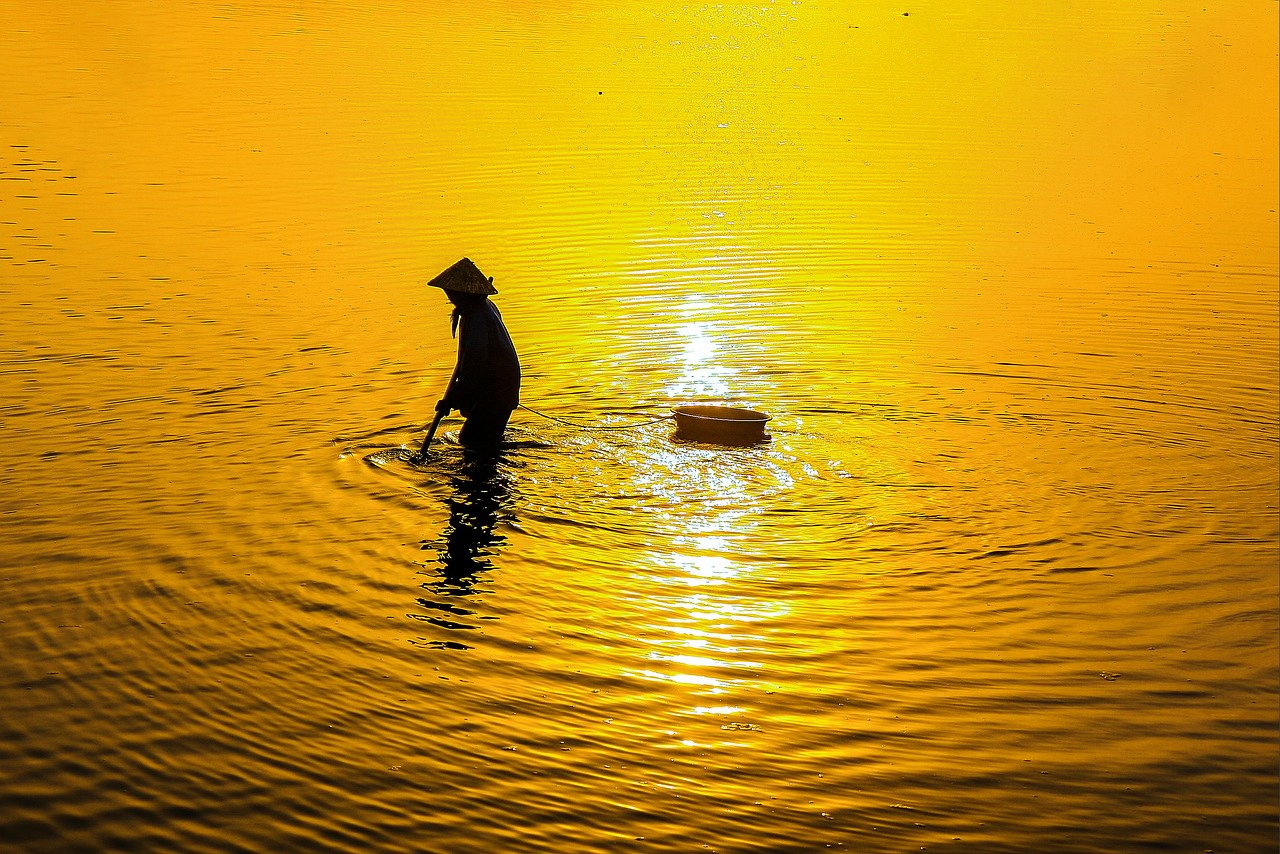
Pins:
<point x="426" y="443"/>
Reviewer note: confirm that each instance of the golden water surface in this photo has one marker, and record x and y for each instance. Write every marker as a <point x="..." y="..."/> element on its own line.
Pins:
<point x="1003" y="578"/>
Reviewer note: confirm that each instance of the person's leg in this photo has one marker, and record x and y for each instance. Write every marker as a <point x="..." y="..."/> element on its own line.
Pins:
<point x="484" y="427"/>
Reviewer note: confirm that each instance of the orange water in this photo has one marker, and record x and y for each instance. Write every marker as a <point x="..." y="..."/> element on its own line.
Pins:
<point x="1004" y="578"/>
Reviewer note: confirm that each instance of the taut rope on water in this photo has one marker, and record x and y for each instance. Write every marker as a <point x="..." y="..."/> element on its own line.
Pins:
<point x="597" y="426"/>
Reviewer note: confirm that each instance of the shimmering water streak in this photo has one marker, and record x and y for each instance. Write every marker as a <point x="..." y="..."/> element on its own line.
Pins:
<point x="1003" y="578"/>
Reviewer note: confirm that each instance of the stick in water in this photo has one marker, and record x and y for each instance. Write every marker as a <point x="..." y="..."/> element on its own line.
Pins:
<point x="426" y="443"/>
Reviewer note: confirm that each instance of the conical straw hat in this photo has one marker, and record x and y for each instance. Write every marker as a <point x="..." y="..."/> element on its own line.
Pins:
<point x="464" y="277"/>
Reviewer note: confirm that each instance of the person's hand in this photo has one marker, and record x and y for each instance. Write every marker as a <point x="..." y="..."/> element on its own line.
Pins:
<point x="442" y="406"/>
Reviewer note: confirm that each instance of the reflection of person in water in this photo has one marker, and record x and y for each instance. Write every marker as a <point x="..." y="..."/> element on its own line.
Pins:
<point x="480" y="500"/>
<point x="485" y="385"/>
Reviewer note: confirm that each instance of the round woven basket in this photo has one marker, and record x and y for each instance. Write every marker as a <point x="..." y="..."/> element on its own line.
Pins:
<point x="724" y="425"/>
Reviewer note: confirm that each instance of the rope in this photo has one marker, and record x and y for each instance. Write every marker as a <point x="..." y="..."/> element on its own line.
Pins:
<point x="596" y="426"/>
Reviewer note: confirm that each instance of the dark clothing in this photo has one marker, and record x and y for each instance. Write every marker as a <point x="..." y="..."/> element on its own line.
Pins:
<point x="486" y="382"/>
<point x="484" y="426"/>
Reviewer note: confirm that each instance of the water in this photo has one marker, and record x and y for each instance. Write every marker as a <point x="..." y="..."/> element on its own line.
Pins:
<point x="1003" y="578"/>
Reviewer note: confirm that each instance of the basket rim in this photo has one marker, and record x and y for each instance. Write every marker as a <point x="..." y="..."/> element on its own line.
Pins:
<point x="753" y="416"/>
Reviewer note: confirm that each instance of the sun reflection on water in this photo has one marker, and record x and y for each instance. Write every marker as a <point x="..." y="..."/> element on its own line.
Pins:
<point x="700" y="373"/>
<point x="709" y="646"/>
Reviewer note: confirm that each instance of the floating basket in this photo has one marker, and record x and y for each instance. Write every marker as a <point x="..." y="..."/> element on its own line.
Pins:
<point x="722" y="425"/>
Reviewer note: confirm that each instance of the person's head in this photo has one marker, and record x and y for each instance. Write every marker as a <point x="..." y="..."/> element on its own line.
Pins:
<point x="465" y="301"/>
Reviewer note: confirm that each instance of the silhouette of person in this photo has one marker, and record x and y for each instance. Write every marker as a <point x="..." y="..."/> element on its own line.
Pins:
<point x="485" y="386"/>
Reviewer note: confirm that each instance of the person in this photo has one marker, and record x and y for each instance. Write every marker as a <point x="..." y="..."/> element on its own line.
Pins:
<point x="485" y="386"/>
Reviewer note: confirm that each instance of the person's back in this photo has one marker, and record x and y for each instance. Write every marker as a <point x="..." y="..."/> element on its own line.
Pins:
<point x="486" y="382"/>
<point x="488" y="368"/>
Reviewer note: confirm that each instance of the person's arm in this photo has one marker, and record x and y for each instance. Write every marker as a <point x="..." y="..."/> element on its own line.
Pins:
<point x="467" y="383"/>
<point x="443" y="405"/>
